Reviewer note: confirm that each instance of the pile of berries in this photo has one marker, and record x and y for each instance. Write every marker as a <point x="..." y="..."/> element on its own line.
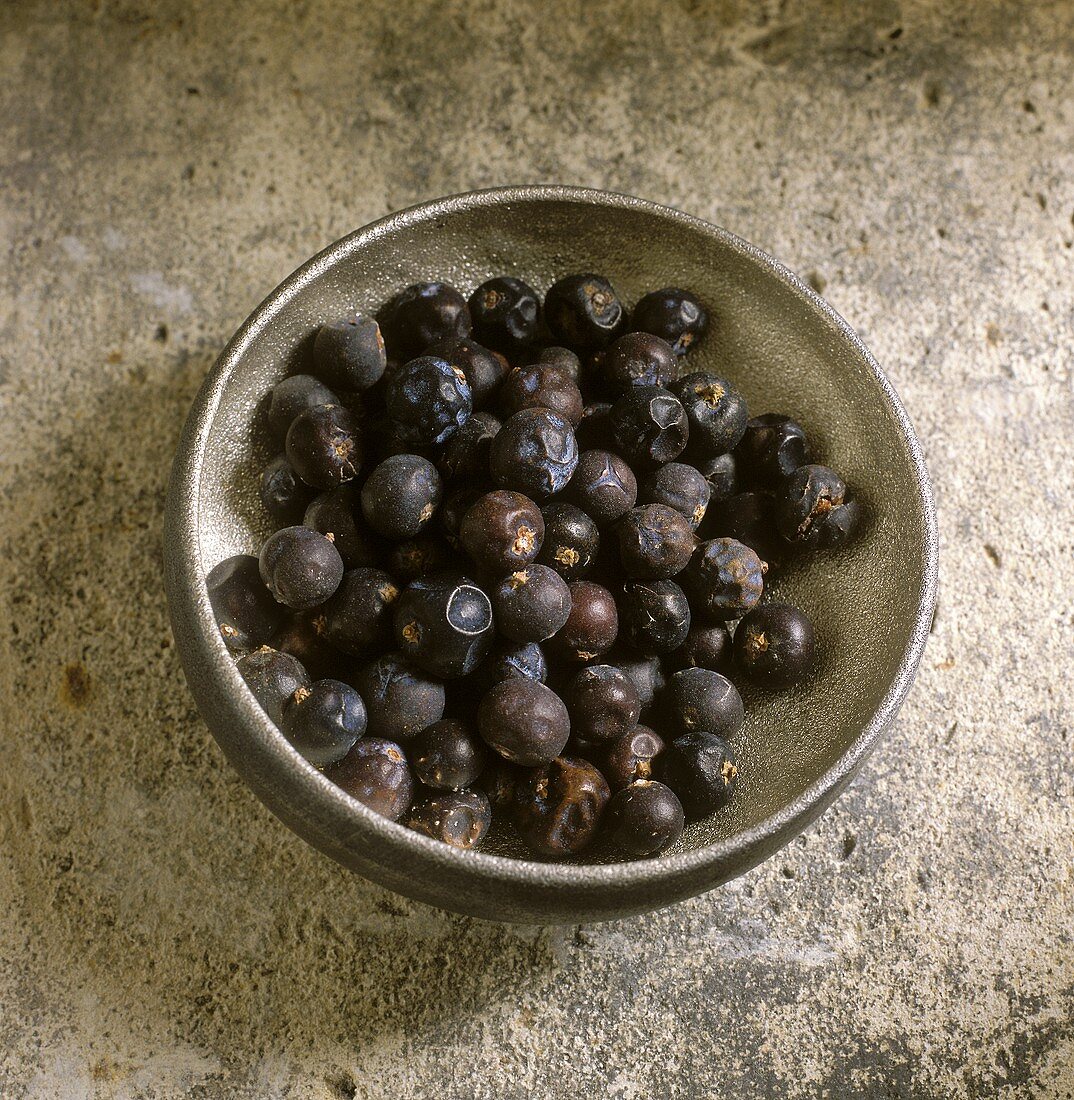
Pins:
<point x="512" y="532"/>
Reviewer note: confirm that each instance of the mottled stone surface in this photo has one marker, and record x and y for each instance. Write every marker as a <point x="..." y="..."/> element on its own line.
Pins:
<point x="162" y="166"/>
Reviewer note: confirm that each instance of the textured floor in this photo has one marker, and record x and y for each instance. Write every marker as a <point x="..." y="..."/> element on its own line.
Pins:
<point x="162" y="166"/>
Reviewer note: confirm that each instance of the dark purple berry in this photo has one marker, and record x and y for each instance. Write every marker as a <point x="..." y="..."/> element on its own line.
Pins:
<point x="443" y="624"/>
<point x="646" y="672"/>
<point x="511" y="661"/>
<point x="324" y="720"/>
<point x="592" y="626"/>
<point x="535" y="452"/>
<point x="458" y="818"/>
<point x="484" y="369"/>
<point x="603" y="703"/>
<point x="273" y="677"/>
<point x="358" y="618"/>
<point x="420" y="314"/>
<point x="774" y="646"/>
<point x="531" y="604"/>
<point x="677" y="486"/>
<point x="698" y="699"/>
<point x="655" y="542"/>
<point x="716" y="411"/>
<point x="562" y="358"/>
<point x="649" y="426"/>
<point x="350" y="353"/>
<point x="705" y="647"/>
<point x="638" y="359"/>
<point x="502" y="531"/>
<point x="603" y="486"/>
<point x="427" y="400"/>
<point x="672" y="314"/>
<point x="465" y="457"/>
<point x="301" y="567"/>
<point x="295" y="395"/>
<point x="333" y="513"/>
<point x="541" y="386"/>
<point x="375" y="772"/>
<point x="773" y="447"/>
<point x="447" y="756"/>
<point x="748" y="518"/>
<point x="571" y="540"/>
<point x="584" y="312"/>
<point x="813" y="508"/>
<point x="283" y="493"/>
<point x="400" y="699"/>
<point x="721" y="473"/>
<point x="506" y="314"/>
<point x="401" y="495"/>
<point x="558" y="808"/>
<point x="305" y="635"/>
<point x="413" y="558"/>
<point x="594" y="432"/>
<point x="633" y="756"/>
<point x="324" y="447"/>
<point x="654" y="616"/>
<point x="724" y="579"/>
<point x="524" y="721"/>
<point x="645" y="818"/>
<point x="243" y="607"/>
<point x="700" y="768"/>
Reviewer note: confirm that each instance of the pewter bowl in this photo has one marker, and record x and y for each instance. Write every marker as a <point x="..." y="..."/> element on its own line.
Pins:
<point x="778" y="341"/>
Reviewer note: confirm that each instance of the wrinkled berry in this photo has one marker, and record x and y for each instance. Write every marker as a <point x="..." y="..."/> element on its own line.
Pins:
<point x="559" y="807"/>
<point x="273" y="677"/>
<point x="324" y="720"/>
<point x="420" y="314"/>
<point x="677" y="486"/>
<point x="427" y="400"/>
<point x="654" y="616"/>
<point x="358" y="618"/>
<point x="350" y="353"/>
<point x="458" y="818"/>
<point x="724" y="579"/>
<point x="447" y="756"/>
<point x="721" y="473"/>
<point x="603" y="486"/>
<point x="774" y="645"/>
<point x="465" y="457"/>
<point x="646" y="672"/>
<point x="571" y="540"/>
<point x="502" y="531"/>
<point x="655" y="542"/>
<point x="813" y="508"/>
<point x="531" y="603"/>
<point x="541" y="386"/>
<point x="603" y="703"/>
<point x="584" y="312"/>
<point x="716" y="411"/>
<point x="295" y="395"/>
<point x="401" y="495"/>
<point x="399" y="699"/>
<point x="283" y="493"/>
<point x="484" y="370"/>
<point x="243" y="607"/>
<point x="635" y="755"/>
<point x="672" y="314"/>
<point x="535" y="452"/>
<point x="301" y="567"/>
<point x="443" y="623"/>
<point x="324" y="446"/>
<point x="699" y="699"/>
<point x="700" y="768"/>
<point x="645" y="818"/>
<point x="638" y="359"/>
<point x="592" y="626"/>
<point x="506" y="314"/>
<point x="524" y="721"/>
<point x="649" y="426"/>
<point x="748" y="518"/>
<point x="773" y="447"/>
<point x="375" y="772"/>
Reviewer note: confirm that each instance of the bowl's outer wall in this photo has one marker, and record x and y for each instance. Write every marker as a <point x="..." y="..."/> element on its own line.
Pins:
<point x="776" y="341"/>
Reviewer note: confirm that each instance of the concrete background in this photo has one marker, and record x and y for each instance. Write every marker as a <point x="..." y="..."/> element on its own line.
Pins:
<point x="163" y="166"/>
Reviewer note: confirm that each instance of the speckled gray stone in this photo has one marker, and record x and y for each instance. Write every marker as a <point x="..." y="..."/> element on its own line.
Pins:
<point x="161" y="168"/>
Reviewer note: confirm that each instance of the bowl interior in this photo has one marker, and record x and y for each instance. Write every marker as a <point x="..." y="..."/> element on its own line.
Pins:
<point x="770" y="338"/>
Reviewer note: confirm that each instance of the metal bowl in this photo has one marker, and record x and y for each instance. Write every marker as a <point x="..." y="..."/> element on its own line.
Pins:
<point x="778" y="341"/>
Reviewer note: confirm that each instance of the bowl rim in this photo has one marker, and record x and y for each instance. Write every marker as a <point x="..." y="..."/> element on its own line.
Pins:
<point x="189" y="602"/>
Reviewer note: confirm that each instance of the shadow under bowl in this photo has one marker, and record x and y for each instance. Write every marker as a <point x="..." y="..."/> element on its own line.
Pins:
<point x="775" y="339"/>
